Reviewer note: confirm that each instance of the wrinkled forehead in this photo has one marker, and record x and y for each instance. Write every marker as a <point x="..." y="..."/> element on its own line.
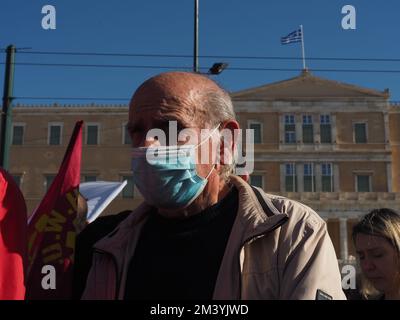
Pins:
<point x="155" y="107"/>
<point x="169" y="89"/>
<point x="173" y="96"/>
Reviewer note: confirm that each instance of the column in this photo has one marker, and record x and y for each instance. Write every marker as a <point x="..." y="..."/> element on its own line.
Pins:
<point x="318" y="174"/>
<point x="344" y="252"/>
<point x="336" y="182"/>
<point x="386" y="128"/>
<point x="389" y="176"/>
<point x="281" y="130"/>
<point x="317" y="131"/>
<point x="299" y="131"/>
<point x="282" y="177"/>
<point x="334" y="131"/>
<point x="300" y="177"/>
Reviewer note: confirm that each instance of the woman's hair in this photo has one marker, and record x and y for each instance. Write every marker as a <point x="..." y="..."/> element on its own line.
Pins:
<point x="383" y="223"/>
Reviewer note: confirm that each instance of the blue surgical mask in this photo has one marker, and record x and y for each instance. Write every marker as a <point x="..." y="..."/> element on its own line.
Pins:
<point x="166" y="176"/>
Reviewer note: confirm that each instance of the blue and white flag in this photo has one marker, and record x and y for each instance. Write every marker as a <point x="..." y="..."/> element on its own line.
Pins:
<point x="292" y="37"/>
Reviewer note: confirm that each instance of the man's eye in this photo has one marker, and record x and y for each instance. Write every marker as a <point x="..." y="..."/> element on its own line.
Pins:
<point x="379" y="255"/>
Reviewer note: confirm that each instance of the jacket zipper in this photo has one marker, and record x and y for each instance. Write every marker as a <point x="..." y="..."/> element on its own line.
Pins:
<point x="265" y="232"/>
<point x="260" y="235"/>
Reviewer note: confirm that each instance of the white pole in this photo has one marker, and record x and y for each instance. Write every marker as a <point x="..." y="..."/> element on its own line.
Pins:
<point x="302" y="47"/>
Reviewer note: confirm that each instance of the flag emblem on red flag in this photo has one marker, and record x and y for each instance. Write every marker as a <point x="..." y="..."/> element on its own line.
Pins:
<point x="51" y="230"/>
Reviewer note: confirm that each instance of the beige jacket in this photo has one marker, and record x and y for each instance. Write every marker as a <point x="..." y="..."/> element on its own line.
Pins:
<point x="277" y="249"/>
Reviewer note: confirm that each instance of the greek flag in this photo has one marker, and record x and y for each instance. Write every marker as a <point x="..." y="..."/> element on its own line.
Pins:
<point x="292" y="37"/>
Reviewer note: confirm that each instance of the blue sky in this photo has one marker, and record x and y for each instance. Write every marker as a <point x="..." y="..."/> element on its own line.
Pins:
<point x="227" y="28"/>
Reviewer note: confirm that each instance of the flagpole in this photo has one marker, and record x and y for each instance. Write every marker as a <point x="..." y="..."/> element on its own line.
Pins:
<point x="302" y="47"/>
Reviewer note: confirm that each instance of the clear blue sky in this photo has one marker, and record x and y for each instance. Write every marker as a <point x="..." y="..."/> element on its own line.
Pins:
<point x="227" y="28"/>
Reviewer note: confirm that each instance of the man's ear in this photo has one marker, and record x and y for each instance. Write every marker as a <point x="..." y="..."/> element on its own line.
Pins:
<point x="229" y="133"/>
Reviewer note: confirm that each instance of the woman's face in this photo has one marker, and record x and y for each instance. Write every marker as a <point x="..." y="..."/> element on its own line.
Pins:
<point x="378" y="260"/>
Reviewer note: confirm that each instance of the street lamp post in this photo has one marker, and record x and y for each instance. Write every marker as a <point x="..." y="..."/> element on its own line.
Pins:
<point x="217" y="68"/>
<point x="6" y="109"/>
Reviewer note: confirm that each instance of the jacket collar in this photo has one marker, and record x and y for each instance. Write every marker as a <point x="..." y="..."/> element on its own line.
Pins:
<point x="256" y="217"/>
<point x="256" y="213"/>
<point x="118" y="239"/>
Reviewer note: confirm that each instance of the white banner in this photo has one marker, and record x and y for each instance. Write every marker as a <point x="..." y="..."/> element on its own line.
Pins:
<point x="99" y="195"/>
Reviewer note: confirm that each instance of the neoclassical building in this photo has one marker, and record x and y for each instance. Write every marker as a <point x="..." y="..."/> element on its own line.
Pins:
<point x="330" y="145"/>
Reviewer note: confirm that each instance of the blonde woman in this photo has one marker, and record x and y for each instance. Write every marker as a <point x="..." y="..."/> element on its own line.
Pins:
<point x="377" y="241"/>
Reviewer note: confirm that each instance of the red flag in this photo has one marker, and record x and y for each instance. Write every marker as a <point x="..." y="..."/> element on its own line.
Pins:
<point x="13" y="230"/>
<point x="51" y="231"/>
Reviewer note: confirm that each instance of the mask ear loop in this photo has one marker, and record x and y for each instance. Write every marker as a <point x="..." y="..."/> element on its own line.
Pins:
<point x="206" y="139"/>
<point x="211" y="134"/>
<point x="210" y="172"/>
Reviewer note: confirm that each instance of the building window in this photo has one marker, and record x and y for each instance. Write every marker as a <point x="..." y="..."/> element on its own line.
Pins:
<point x="92" y="134"/>
<point x="363" y="183"/>
<point x="360" y="133"/>
<point x="54" y="133"/>
<point x="90" y="178"/>
<point x="308" y="132"/>
<point x="257" y="180"/>
<point x="257" y="129"/>
<point x="290" y="129"/>
<point x="128" y="191"/>
<point x="290" y="177"/>
<point x="49" y="180"/>
<point x="18" y="179"/>
<point x="327" y="177"/>
<point x="18" y="134"/>
<point x="308" y="177"/>
<point x="325" y="129"/>
<point x="126" y="138"/>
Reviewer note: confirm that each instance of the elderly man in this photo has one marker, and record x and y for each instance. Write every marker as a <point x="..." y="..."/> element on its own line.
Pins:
<point x="203" y="233"/>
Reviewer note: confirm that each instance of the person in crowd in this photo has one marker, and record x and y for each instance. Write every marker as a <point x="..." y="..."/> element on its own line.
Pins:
<point x="202" y="232"/>
<point x="377" y="241"/>
<point x="81" y="214"/>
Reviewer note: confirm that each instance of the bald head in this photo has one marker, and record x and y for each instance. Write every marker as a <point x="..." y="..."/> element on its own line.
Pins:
<point x="176" y="85"/>
<point x="183" y="93"/>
